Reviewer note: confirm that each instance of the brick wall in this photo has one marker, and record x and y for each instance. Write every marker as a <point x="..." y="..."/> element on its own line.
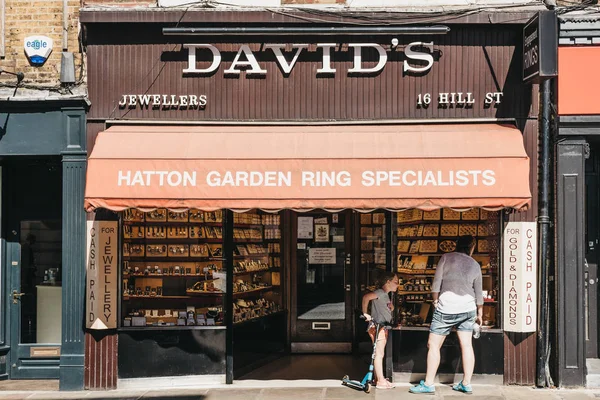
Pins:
<point x="38" y="17"/>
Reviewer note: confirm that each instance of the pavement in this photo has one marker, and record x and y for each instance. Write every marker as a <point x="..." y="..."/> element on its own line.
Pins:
<point x="289" y="390"/>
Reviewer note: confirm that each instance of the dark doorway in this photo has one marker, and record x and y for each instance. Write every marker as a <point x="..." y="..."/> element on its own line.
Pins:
<point x="32" y="229"/>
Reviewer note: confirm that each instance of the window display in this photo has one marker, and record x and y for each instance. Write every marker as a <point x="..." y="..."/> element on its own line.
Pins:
<point x="422" y="238"/>
<point x="372" y="246"/>
<point x="172" y="271"/>
<point x="256" y="266"/>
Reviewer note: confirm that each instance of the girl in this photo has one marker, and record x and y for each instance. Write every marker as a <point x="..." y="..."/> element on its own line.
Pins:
<point x="381" y="313"/>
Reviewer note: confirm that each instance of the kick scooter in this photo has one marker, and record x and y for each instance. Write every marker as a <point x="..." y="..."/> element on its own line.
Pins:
<point x="367" y="382"/>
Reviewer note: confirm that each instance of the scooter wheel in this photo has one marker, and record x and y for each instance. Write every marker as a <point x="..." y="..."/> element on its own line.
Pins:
<point x="368" y="388"/>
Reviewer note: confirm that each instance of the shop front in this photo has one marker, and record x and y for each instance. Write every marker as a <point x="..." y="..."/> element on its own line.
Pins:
<point x="42" y="173"/>
<point x="577" y="202"/>
<point x="252" y="190"/>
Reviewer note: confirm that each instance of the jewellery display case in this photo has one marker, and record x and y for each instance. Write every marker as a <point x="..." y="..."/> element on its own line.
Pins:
<point x="372" y="246"/>
<point x="256" y="265"/>
<point x="172" y="268"/>
<point x="422" y="238"/>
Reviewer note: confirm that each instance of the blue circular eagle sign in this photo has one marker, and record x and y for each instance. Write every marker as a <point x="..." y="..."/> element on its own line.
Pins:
<point x="37" y="49"/>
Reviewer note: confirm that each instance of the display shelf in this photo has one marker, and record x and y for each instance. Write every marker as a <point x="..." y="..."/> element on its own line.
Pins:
<point x="175" y="223"/>
<point x="129" y="297"/>
<point x="192" y="276"/>
<point x="423" y="272"/>
<point x="241" y="225"/>
<point x="171" y="240"/>
<point x="253" y="291"/>
<point x="249" y="240"/>
<point x="252" y="256"/>
<point x="436" y="237"/>
<point x="402" y="292"/>
<point x="436" y="254"/>
<point x="170" y="259"/>
<point x="191" y="294"/>
<point x="251" y="272"/>
<point x="258" y="319"/>
<point x="170" y="328"/>
<point x="445" y="221"/>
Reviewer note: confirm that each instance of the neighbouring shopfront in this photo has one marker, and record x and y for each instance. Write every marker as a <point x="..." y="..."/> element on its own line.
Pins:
<point x="577" y="202"/>
<point x="43" y="160"/>
<point x="245" y="189"/>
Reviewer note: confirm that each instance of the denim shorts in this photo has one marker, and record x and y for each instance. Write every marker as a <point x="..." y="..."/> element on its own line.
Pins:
<point x="442" y="324"/>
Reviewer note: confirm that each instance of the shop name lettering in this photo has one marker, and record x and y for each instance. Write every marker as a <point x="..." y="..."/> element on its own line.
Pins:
<point x="308" y="178"/>
<point x="514" y="298"/>
<point x="246" y="60"/>
<point x="163" y="100"/>
<point x="107" y="260"/>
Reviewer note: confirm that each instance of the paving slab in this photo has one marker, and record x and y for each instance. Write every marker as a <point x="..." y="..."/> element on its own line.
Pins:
<point x="182" y="394"/>
<point x="54" y="395"/>
<point x="233" y="394"/>
<point x="574" y="395"/>
<point x="292" y="394"/>
<point x="29" y="385"/>
<point x="114" y="394"/>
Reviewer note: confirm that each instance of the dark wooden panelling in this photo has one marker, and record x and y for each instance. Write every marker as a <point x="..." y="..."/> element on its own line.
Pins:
<point x="570" y="245"/>
<point x="138" y="59"/>
<point x="101" y="361"/>
<point x="530" y="141"/>
<point x="520" y="348"/>
<point x="93" y="129"/>
<point x="519" y="358"/>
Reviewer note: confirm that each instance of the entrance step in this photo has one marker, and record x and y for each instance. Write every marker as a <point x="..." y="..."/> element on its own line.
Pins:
<point x="593" y="373"/>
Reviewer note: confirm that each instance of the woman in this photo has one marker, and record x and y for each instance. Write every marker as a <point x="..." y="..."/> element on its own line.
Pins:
<point x="458" y="302"/>
<point x="381" y="313"/>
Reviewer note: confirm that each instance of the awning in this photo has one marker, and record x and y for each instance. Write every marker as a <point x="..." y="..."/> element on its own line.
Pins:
<point x="333" y="167"/>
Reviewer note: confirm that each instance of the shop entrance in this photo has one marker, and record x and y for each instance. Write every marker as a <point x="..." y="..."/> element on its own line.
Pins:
<point x="322" y="282"/>
<point x="32" y="229"/>
<point x="592" y="253"/>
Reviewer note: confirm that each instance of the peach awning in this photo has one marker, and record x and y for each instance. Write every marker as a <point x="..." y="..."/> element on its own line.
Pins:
<point x="333" y="167"/>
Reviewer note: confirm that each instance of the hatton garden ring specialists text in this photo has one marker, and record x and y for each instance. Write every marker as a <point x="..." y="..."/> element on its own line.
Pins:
<point x="309" y="178"/>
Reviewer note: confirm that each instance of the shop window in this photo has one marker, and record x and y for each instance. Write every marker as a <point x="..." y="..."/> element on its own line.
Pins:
<point x="257" y="290"/>
<point x="172" y="268"/>
<point x="422" y="238"/>
<point x="372" y="247"/>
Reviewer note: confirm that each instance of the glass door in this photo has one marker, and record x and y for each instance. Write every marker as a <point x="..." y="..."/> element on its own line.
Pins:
<point x="32" y="194"/>
<point x="322" y="282"/>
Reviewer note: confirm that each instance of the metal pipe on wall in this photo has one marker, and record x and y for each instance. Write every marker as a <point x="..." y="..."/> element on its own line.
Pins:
<point x="545" y="244"/>
<point x="65" y="35"/>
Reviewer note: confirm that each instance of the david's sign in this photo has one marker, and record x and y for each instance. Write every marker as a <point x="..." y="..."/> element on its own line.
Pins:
<point x="520" y="277"/>
<point x="418" y="58"/>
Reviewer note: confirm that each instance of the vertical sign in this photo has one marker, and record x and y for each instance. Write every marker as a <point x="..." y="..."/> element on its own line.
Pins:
<point x="520" y="277"/>
<point x="101" y="282"/>
<point x="540" y="47"/>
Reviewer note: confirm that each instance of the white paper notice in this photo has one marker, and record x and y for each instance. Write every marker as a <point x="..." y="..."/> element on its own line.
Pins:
<point x="321" y="255"/>
<point x="305" y="227"/>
